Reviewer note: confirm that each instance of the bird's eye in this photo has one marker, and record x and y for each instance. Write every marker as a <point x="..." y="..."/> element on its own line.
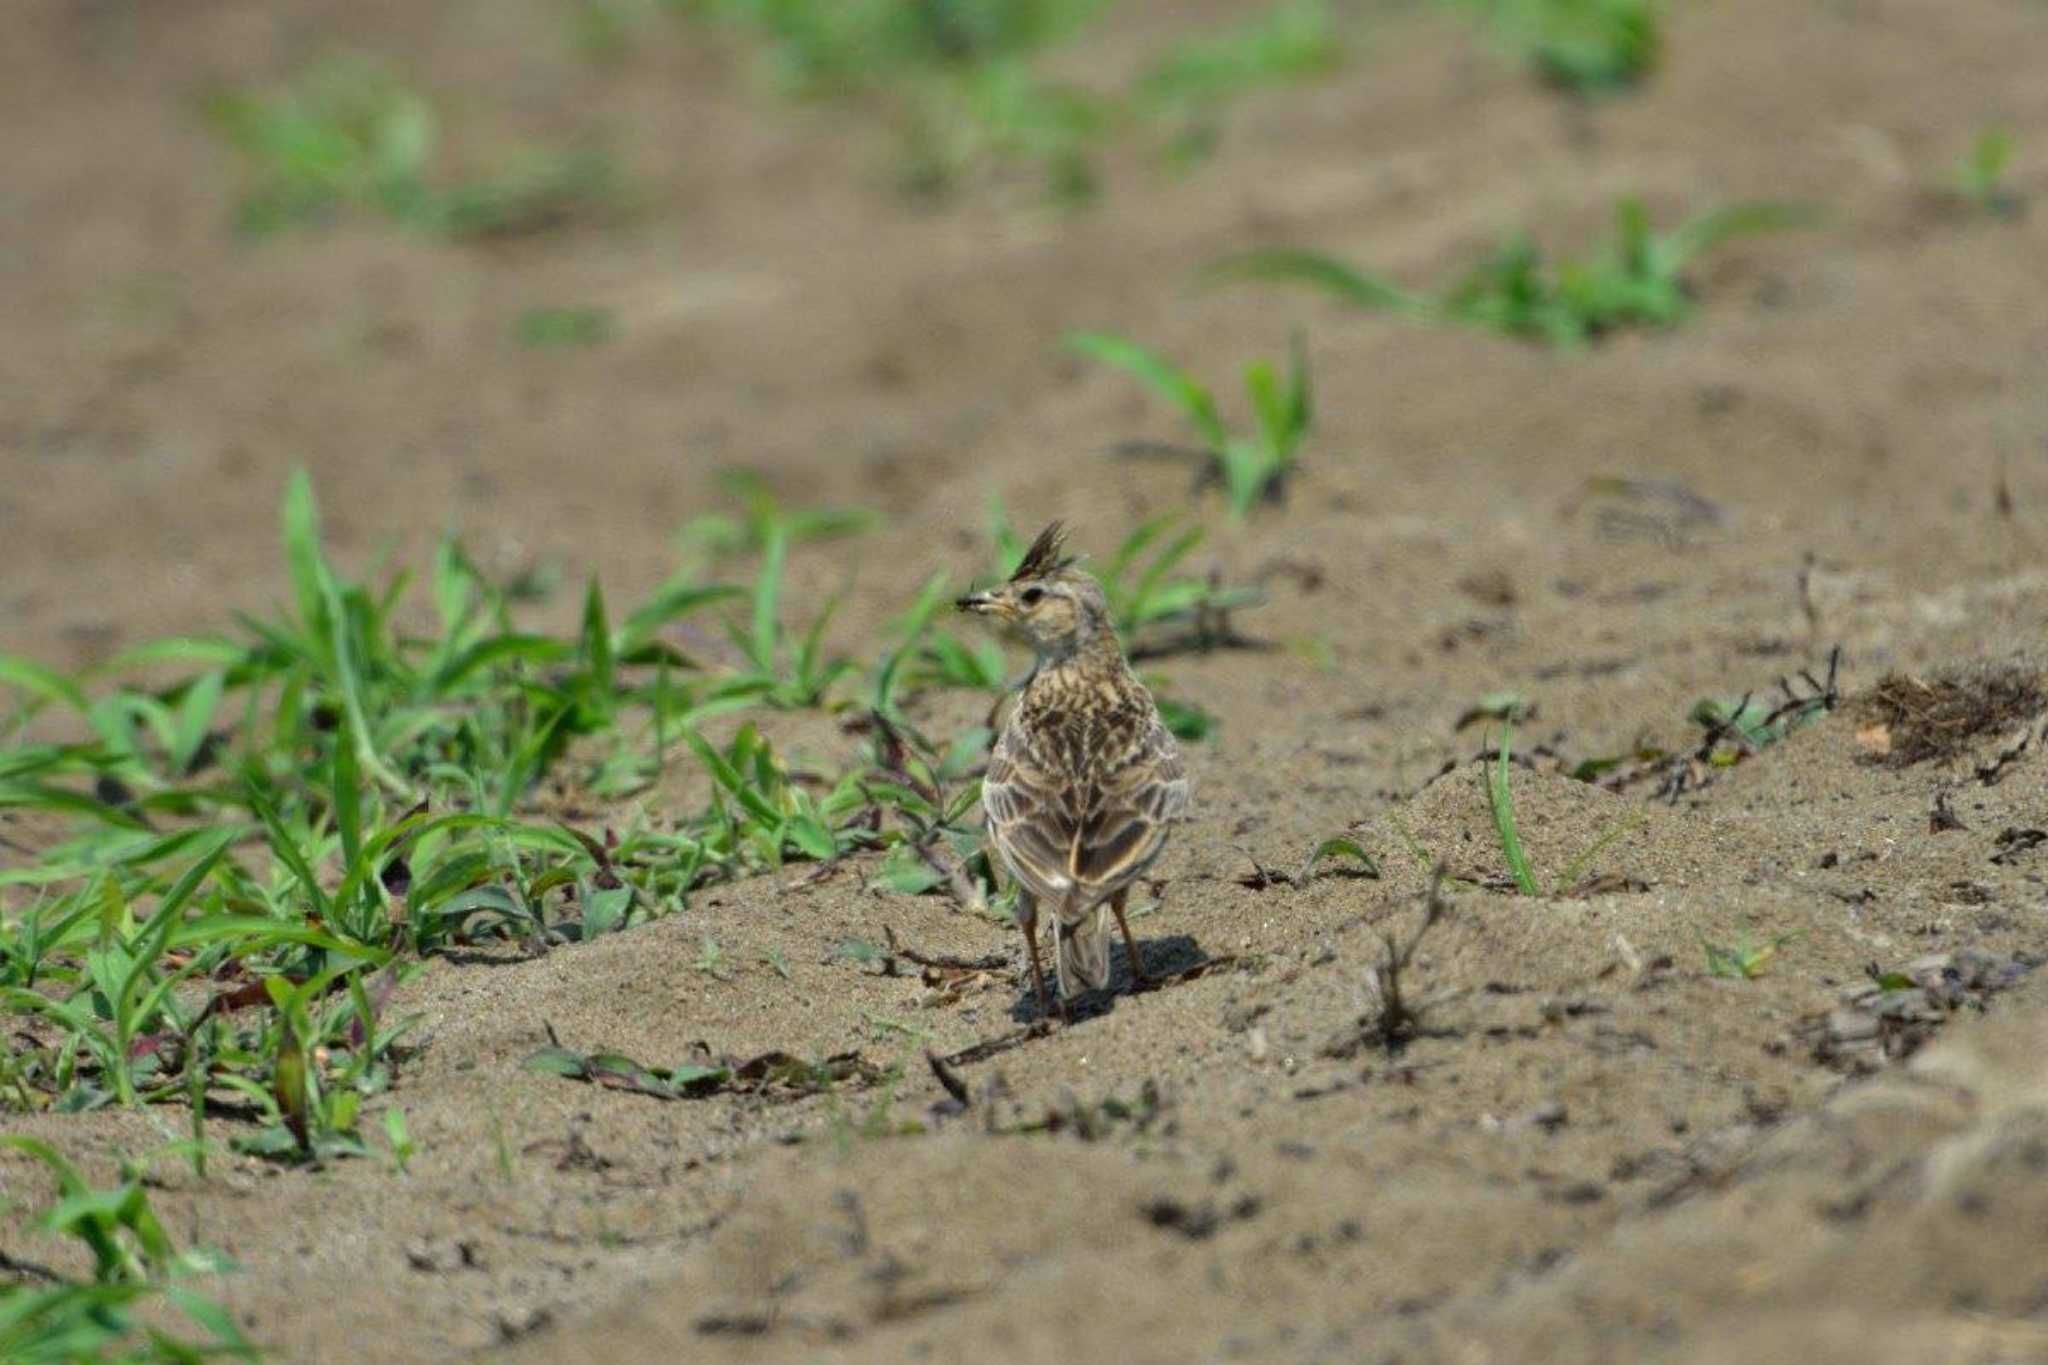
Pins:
<point x="1031" y="597"/>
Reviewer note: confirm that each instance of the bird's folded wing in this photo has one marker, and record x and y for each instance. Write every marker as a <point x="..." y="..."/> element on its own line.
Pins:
<point x="1133" y="804"/>
<point x="1031" y="821"/>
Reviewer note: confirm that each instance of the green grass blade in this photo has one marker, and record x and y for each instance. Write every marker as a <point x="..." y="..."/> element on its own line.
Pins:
<point x="1709" y="230"/>
<point x="302" y="551"/>
<point x="1569" y="878"/>
<point x="37" y="795"/>
<point x="288" y="851"/>
<point x="347" y="797"/>
<point x="668" y="604"/>
<point x="1318" y="270"/>
<point x="41" y="684"/>
<point x="729" y="778"/>
<point x="539" y="649"/>
<point x="768" y="600"/>
<point x="200" y="651"/>
<point x="194" y="719"/>
<point x="1503" y="802"/>
<point x="1159" y="375"/>
<point x="1300" y="394"/>
<point x="597" y="641"/>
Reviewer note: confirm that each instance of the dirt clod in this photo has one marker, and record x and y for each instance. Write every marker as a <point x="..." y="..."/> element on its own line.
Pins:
<point x="1913" y="720"/>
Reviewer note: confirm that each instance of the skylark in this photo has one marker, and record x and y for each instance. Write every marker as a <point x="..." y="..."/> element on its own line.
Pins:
<point x="1085" y="779"/>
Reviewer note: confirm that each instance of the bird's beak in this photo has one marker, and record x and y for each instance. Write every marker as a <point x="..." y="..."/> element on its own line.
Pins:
<point x="979" y="602"/>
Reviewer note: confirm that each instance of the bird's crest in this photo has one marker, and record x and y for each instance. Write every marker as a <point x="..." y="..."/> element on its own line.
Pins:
<point x="1045" y="557"/>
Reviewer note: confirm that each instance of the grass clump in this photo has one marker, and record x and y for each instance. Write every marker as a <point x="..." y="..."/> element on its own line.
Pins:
<point x="761" y="516"/>
<point x="956" y="77"/>
<point x="1588" y="47"/>
<point x="347" y="135"/>
<point x="1639" y="280"/>
<point x="1190" y="86"/>
<point x="963" y="81"/>
<point x="134" y="1263"/>
<point x="257" y="849"/>
<point x="1249" y="469"/>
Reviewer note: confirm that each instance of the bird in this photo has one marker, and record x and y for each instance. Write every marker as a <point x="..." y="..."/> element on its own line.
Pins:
<point x="1085" y="781"/>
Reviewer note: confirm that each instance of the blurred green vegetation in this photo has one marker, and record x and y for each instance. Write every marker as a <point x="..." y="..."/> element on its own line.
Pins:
<point x="966" y="84"/>
<point x="348" y="135"/>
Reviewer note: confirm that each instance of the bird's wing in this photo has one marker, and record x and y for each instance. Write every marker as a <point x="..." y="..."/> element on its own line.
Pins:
<point x="1031" y="816"/>
<point x="1140" y="791"/>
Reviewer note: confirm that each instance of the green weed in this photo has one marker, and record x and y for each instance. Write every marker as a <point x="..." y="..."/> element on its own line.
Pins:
<point x="1746" y="959"/>
<point x="1337" y="846"/>
<point x="134" y="1263"/>
<point x="780" y="670"/>
<point x="1589" y="47"/>
<point x="253" y="845"/>
<point x="1249" y="469"/>
<point x="1981" y="176"/>
<point x="1185" y="719"/>
<point x="349" y="136"/>
<point x="962" y="81"/>
<point x="1637" y="281"/>
<point x="932" y="793"/>
<point x="1501" y="798"/>
<point x="955" y="76"/>
<point x="761" y="517"/>
<point x="1158" y="611"/>
<point x="1191" y="85"/>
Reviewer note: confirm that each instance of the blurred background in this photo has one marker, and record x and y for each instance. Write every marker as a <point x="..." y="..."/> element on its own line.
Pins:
<point x="546" y="272"/>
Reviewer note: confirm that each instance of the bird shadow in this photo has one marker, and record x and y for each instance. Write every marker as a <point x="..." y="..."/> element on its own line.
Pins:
<point x="1166" y="960"/>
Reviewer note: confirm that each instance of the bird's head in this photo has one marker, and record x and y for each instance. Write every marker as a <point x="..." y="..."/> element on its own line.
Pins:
<point x="1047" y="602"/>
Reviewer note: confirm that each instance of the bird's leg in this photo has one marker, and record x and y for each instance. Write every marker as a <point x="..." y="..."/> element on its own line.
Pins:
<point x="1116" y="904"/>
<point x="1027" y="920"/>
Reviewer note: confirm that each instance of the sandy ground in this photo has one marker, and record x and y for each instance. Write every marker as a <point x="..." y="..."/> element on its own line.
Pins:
<point x="1594" y="1150"/>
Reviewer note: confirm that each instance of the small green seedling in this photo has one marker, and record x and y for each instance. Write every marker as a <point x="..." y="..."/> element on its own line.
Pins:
<point x="399" y="1139"/>
<point x="780" y="671"/>
<point x="349" y="136"/>
<point x="1146" y="595"/>
<point x="1339" y="846"/>
<point x="761" y="516"/>
<point x="1249" y="469"/>
<point x="1191" y="85"/>
<point x="711" y="960"/>
<point x="1184" y="719"/>
<point x="1745" y="960"/>
<point x="1501" y="798"/>
<point x="1981" y="178"/>
<point x="1588" y="47"/>
<point x="957" y="79"/>
<point x="1638" y="281"/>
<point x="134" y="1262"/>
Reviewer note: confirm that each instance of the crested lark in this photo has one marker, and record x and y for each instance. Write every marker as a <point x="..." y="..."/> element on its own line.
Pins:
<point x="1084" y="780"/>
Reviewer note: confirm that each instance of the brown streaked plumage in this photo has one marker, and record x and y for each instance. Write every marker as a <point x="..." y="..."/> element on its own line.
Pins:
<point x="1084" y="781"/>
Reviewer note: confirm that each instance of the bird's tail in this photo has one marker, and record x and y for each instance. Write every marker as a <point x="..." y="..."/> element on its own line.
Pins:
<point x="1084" y="952"/>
